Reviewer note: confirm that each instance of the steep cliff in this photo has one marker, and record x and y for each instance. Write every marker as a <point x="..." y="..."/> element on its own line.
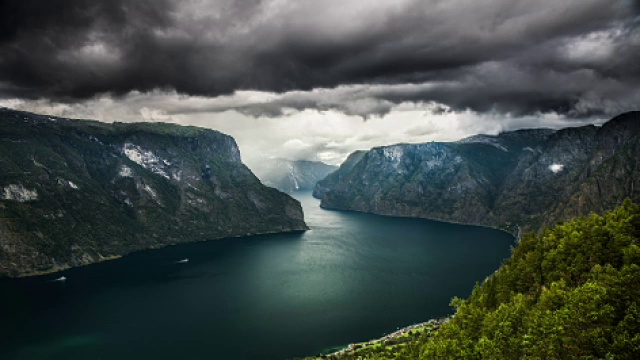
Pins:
<point x="76" y="192"/>
<point x="521" y="180"/>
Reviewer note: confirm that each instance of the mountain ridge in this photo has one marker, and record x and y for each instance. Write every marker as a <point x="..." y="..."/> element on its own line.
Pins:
<point x="520" y="180"/>
<point x="74" y="192"/>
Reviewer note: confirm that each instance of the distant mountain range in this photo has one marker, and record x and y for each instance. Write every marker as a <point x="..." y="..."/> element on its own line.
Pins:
<point x="519" y="180"/>
<point x="76" y="192"/>
<point x="291" y="175"/>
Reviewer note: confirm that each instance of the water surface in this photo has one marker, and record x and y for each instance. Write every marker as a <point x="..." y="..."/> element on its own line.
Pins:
<point x="351" y="278"/>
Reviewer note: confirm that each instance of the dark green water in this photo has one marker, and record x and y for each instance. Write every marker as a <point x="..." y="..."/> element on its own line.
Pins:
<point x="353" y="277"/>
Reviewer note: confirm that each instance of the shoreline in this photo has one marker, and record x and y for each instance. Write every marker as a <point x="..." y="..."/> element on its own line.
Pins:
<point x="352" y="348"/>
<point x="514" y="235"/>
<point x="56" y="268"/>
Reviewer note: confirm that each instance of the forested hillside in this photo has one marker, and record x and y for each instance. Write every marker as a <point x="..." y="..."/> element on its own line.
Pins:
<point x="570" y="292"/>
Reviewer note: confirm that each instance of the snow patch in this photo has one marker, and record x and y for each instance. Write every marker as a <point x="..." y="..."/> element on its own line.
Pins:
<point x="125" y="171"/>
<point x="150" y="191"/>
<point x="17" y="192"/>
<point x="67" y="184"/>
<point x="556" y="168"/>
<point x="146" y="159"/>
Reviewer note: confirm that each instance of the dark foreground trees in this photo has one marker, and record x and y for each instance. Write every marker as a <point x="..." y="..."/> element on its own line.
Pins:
<point x="571" y="292"/>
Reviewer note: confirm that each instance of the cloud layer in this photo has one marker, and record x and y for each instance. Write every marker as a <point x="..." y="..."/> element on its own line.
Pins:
<point x="575" y="57"/>
<point x="309" y="134"/>
<point x="317" y="79"/>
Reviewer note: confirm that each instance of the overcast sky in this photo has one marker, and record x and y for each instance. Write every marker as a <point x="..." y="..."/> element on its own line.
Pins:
<point x="317" y="79"/>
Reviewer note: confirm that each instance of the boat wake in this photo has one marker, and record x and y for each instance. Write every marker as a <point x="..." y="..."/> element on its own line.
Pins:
<point x="183" y="261"/>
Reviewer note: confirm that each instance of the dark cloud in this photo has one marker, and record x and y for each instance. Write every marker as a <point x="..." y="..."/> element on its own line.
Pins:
<point x="75" y="48"/>
<point x="360" y="57"/>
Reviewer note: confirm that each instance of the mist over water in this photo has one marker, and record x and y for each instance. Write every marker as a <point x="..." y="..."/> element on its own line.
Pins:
<point x="351" y="278"/>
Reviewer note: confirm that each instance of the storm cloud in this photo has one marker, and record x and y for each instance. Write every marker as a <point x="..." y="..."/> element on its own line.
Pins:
<point x="578" y="58"/>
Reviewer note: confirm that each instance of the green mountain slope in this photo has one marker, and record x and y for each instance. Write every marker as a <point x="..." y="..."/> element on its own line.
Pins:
<point x="571" y="292"/>
<point x="76" y="192"/>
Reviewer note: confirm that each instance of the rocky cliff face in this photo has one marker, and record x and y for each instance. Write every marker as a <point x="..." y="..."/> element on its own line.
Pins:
<point x="289" y="175"/>
<point x="524" y="179"/>
<point x="76" y="192"/>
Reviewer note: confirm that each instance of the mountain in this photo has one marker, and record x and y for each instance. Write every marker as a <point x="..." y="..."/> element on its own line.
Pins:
<point x="570" y="292"/>
<point x="76" y="192"/>
<point x="291" y="175"/>
<point x="520" y="180"/>
<point x="332" y="180"/>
